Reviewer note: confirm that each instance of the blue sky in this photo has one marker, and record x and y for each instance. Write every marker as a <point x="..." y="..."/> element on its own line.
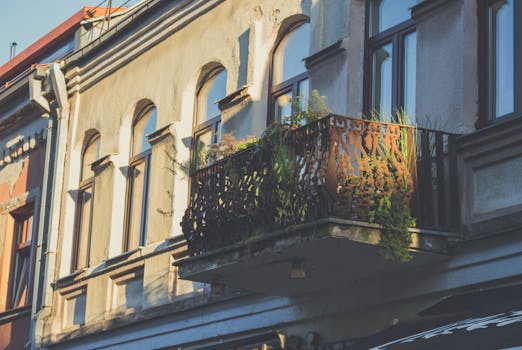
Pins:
<point x="25" y="21"/>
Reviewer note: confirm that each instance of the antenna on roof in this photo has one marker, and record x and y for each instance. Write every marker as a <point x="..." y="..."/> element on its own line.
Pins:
<point x="107" y="16"/>
<point x="12" y="47"/>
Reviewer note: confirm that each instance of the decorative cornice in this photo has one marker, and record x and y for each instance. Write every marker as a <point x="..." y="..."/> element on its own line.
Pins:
<point x="69" y="280"/>
<point x="326" y="53"/>
<point x="10" y="315"/>
<point x="489" y="138"/>
<point x="160" y="134"/>
<point x="235" y="98"/>
<point x="104" y="59"/>
<point x="22" y="147"/>
<point x="102" y="163"/>
<point x="427" y="7"/>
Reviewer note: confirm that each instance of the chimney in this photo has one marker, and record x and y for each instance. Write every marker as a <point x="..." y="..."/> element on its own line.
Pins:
<point x="13" y="50"/>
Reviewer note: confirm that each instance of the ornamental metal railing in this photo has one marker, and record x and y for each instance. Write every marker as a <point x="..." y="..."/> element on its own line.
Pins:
<point x="334" y="167"/>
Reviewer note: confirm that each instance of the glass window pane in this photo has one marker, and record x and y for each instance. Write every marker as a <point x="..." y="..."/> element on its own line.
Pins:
<point x="217" y="136"/>
<point x="21" y="271"/>
<point x="288" y="57"/>
<point x="137" y="205"/>
<point x="304" y="94"/>
<point x="24" y="228"/>
<point x="213" y="90"/>
<point x="388" y="13"/>
<point x="84" y="228"/>
<point x="203" y="141"/>
<point x="283" y="107"/>
<point x="90" y="155"/>
<point x="410" y="70"/>
<point x="144" y="126"/>
<point x="501" y="53"/>
<point x="382" y="82"/>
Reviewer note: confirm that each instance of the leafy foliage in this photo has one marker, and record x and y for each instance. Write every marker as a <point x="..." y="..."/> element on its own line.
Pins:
<point x="306" y="110"/>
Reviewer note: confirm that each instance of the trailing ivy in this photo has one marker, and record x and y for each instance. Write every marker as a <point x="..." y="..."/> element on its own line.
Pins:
<point x="393" y="213"/>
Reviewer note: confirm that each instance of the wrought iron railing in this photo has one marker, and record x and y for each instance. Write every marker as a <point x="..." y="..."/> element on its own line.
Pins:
<point x="436" y="202"/>
<point x="334" y="167"/>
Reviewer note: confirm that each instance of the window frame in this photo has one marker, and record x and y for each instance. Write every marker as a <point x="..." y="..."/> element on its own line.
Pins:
<point x="134" y="161"/>
<point x="486" y="117"/>
<point x="292" y="84"/>
<point x="212" y="124"/>
<point x="396" y="35"/>
<point x="84" y="185"/>
<point x="25" y="248"/>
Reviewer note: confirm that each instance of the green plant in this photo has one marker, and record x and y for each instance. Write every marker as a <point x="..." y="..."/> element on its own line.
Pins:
<point x="391" y="205"/>
<point x="393" y="213"/>
<point x="306" y="110"/>
<point x="226" y="147"/>
<point x="290" y="208"/>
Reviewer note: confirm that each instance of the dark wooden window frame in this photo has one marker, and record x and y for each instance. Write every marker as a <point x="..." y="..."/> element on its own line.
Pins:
<point x="25" y="248"/>
<point x="134" y="161"/>
<point x="211" y="124"/>
<point x="485" y="115"/>
<point x="292" y="84"/>
<point x="395" y="35"/>
<point x="85" y="184"/>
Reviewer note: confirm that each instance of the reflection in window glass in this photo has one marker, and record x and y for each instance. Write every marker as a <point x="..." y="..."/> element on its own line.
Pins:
<point x="203" y="141"/>
<point x="217" y="134"/>
<point x="382" y="82"/>
<point x="410" y="68"/>
<point x="23" y="227"/>
<point x="283" y="107"/>
<point x="304" y="94"/>
<point x="84" y="230"/>
<point x="388" y="13"/>
<point x="90" y="155"/>
<point x="144" y="126"/>
<point x="501" y="49"/>
<point x="137" y="235"/>
<point x="213" y="90"/>
<point x="288" y="57"/>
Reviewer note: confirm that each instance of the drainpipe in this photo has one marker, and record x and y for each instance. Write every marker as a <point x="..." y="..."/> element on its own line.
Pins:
<point x="47" y="240"/>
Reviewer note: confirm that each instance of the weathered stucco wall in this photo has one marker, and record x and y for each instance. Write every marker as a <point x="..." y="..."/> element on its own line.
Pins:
<point x="447" y="75"/>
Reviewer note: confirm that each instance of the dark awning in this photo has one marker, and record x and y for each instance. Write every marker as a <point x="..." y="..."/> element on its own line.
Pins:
<point x="483" y="320"/>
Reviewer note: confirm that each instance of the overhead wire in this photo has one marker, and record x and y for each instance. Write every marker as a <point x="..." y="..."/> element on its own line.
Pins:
<point x="109" y="11"/>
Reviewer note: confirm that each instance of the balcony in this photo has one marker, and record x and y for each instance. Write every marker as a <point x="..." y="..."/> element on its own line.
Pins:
<point x="306" y="204"/>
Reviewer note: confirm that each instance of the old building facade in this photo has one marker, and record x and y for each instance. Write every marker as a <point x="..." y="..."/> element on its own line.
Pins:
<point x="263" y="260"/>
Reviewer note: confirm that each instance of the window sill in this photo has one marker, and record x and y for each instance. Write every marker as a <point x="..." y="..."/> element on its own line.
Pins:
<point x="493" y="129"/>
<point x="11" y="314"/>
<point x="233" y="99"/>
<point x="134" y="256"/>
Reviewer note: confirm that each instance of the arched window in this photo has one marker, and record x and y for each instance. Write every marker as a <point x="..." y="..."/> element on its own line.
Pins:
<point x="82" y="240"/>
<point x="138" y="182"/>
<point x="207" y="125"/>
<point x="289" y="76"/>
